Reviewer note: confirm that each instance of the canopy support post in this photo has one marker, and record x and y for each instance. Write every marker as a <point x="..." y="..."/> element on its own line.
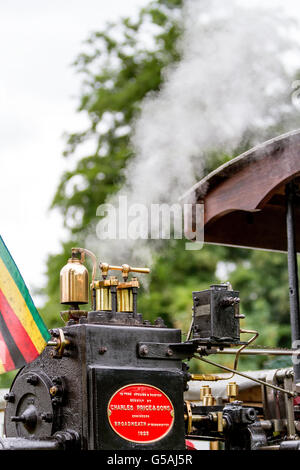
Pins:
<point x="293" y="275"/>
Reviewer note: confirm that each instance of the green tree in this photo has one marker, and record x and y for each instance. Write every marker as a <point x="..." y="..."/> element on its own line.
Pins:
<point x="118" y="69"/>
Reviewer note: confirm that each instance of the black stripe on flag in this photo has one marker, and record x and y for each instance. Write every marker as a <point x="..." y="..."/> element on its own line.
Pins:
<point x="14" y="351"/>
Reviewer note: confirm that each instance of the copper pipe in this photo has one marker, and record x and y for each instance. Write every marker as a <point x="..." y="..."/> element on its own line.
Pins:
<point x="84" y="251"/>
<point x="261" y="382"/>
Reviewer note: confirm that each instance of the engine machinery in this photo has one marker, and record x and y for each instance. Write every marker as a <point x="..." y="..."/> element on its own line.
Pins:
<point x="110" y="379"/>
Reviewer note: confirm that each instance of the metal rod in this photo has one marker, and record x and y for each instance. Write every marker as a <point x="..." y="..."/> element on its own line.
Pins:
<point x="293" y="272"/>
<point x="289" y="406"/>
<point x="260" y="352"/>
<point x="197" y="418"/>
<point x="21" y="443"/>
<point x="261" y="382"/>
<point x="203" y="438"/>
<point x="276" y="447"/>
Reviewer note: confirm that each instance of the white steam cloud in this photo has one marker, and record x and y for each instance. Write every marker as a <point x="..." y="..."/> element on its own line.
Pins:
<point x="235" y="77"/>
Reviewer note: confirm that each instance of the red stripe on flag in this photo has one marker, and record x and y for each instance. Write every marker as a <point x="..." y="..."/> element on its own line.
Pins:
<point x="19" y="334"/>
<point x="5" y="356"/>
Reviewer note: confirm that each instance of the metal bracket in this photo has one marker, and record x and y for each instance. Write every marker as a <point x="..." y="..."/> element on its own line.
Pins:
<point x="60" y="344"/>
<point x="173" y="351"/>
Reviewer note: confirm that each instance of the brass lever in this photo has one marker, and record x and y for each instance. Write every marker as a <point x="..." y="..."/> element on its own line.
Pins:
<point x="125" y="269"/>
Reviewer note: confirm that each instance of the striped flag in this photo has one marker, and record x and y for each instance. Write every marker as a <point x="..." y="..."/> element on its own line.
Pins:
<point x="23" y="334"/>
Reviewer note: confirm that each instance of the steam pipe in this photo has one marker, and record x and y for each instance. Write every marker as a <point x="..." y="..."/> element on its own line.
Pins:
<point x="242" y="374"/>
<point x="260" y="352"/>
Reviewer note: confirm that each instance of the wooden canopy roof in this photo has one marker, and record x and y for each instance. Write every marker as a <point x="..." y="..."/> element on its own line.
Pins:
<point x="244" y="199"/>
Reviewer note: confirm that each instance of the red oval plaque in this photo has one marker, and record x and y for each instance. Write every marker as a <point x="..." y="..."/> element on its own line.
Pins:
<point x="140" y="413"/>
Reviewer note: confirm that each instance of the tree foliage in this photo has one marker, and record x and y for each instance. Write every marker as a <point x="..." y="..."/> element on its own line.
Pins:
<point x="119" y="67"/>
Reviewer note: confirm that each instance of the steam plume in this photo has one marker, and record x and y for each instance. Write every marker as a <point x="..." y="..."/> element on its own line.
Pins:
<point x="234" y="79"/>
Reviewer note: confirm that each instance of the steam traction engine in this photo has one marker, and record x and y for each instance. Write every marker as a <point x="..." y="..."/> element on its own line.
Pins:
<point x="110" y="379"/>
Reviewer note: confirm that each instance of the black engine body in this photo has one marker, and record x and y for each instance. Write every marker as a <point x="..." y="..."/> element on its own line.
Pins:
<point x="56" y="394"/>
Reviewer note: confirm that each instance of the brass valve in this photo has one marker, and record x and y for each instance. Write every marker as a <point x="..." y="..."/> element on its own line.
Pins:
<point x="126" y="290"/>
<point x="205" y="390"/>
<point x="103" y="293"/>
<point x="125" y="269"/>
<point x="208" y="400"/>
<point x="232" y="391"/>
<point x="206" y="396"/>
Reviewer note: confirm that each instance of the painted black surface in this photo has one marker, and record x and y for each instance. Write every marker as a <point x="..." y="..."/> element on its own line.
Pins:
<point x="100" y="359"/>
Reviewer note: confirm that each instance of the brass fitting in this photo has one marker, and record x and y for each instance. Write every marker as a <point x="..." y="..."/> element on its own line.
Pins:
<point x="189" y="417"/>
<point x="204" y="390"/>
<point x="125" y="295"/>
<point x="206" y="396"/>
<point x="125" y="289"/>
<point x="125" y="269"/>
<point x="74" y="278"/>
<point x="232" y="390"/>
<point x="219" y="420"/>
<point x="103" y="292"/>
<point x="208" y="400"/>
<point x="104" y="269"/>
<point x="206" y="377"/>
<point x="60" y="344"/>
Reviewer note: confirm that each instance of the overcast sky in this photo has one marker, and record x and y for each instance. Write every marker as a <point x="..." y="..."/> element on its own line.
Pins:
<point x="38" y="98"/>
